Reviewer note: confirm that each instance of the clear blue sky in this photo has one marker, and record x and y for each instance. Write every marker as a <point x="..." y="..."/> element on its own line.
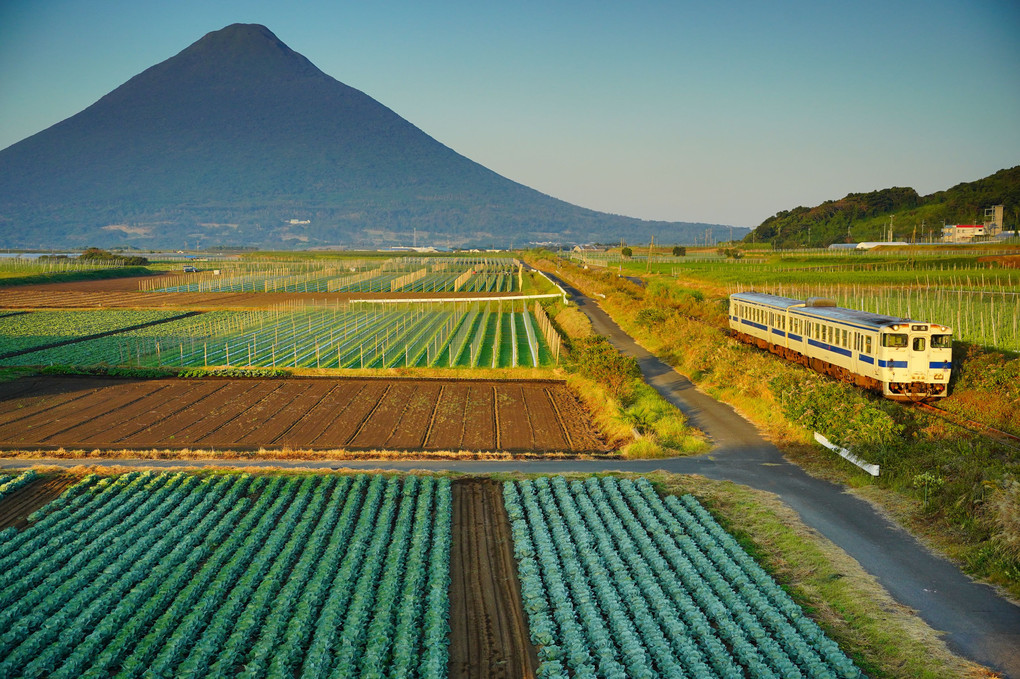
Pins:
<point x="722" y="112"/>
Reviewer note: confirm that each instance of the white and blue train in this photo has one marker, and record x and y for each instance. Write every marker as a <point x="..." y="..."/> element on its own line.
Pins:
<point x="903" y="359"/>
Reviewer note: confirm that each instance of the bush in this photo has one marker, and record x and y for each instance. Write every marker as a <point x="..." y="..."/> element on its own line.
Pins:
<point x="97" y="255"/>
<point x="679" y="251"/>
<point x="595" y="358"/>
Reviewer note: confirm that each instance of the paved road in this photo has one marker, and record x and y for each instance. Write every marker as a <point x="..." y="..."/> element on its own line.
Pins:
<point x="978" y="624"/>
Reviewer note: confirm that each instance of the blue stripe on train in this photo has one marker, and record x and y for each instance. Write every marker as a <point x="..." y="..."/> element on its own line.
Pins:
<point x="830" y="347"/>
<point x="941" y="365"/>
<point x="882" y="363"/>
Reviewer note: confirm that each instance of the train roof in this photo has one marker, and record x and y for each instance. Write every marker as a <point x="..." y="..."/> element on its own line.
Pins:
<point x="832" y="313"/>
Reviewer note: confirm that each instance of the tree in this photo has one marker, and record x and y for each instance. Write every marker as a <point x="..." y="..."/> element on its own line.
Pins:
<point x="627" y="252"/>
<point x="679" y="251"/>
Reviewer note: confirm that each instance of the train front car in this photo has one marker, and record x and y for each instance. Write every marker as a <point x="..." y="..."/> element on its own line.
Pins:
<point x="903" y="359"/>
<point x="914" y="360"/>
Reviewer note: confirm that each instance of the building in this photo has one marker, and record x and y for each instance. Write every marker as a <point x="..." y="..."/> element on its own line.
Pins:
<point x="966" y="233"/>
<point x="962" y="233"/>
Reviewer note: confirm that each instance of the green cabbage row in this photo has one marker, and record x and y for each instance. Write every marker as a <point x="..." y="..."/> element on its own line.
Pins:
<point x="184" y="575"/>
<point x="617" y="582"/>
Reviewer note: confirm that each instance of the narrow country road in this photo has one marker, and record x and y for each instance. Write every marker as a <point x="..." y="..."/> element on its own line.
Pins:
<point x="978" y="623"/>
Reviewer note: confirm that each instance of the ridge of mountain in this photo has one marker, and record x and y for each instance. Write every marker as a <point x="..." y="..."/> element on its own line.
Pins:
<point x="240" y="140"/>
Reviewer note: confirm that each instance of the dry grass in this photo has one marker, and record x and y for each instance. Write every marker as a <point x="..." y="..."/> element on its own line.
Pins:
<point x="287" y="454"/>
<point x="573" y="322"/>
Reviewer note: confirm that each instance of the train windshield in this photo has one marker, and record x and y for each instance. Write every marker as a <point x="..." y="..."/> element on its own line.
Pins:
<point x="941" y="341"/>
<point x="919" y="344"/>
<point x="896" y="340"/>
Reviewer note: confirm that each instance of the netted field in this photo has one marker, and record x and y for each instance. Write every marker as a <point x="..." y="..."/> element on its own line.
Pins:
<point x="402" y="274"/>
<point x="477" y="334"/>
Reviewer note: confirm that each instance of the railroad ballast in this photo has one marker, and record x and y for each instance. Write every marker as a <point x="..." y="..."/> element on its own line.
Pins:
<point x="904" y="359"/>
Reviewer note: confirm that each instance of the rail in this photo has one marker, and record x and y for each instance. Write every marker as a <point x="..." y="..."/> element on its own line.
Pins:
<point x="1003" y="437"/>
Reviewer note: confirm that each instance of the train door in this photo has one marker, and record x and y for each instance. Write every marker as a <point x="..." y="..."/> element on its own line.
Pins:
<point x="917" y="357"/>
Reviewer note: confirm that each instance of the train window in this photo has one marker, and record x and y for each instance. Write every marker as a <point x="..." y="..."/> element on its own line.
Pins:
<point x="867" y="345"/>
<point x="894" y="339"/>
<point x="919" y="344"/>
<point x="941" y="341"/>
<point x="845" y="341"/>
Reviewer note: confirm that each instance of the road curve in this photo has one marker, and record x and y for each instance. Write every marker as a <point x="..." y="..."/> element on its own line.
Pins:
<point x="979" y="624"/>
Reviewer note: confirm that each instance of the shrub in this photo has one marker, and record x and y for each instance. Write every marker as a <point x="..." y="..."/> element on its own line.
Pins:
<point x="595" y="358"/>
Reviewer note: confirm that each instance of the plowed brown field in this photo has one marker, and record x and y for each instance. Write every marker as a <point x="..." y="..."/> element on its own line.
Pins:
<point x="488" y="630"/>
<point x="297" y="413"/>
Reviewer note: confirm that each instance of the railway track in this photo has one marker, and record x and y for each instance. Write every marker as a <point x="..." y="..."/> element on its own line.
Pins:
<point x="972" y="425"/>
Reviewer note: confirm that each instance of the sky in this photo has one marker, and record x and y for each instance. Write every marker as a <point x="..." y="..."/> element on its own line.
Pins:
<point x="718" y="112"/>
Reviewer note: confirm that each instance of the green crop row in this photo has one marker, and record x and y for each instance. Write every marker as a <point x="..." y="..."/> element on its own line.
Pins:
<point x="491" y="334"/>
<point x="19" y="332"/>
<point x="180" y="575"/>
<point x="619" y="583"/>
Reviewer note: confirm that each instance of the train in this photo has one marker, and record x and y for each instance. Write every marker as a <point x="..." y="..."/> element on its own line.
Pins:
<point x="903" y="359"/>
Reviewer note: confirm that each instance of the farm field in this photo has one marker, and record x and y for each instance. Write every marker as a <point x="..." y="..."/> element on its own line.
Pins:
<point x="80" y="296"/>
<point x="182" y="575"/>
<point x="24" y="331"/>
<point x="617" y="582"/>
<point x="479" y="334"/>
<point x="394" y="274"/>
<point x="306" y="414"/>
<point x="177" y="574"/>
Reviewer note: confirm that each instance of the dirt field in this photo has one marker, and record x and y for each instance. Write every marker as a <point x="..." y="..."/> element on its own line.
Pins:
<point x="489" y="632"/>
<point x="124" y="293"/>
<point x="16" y="507"/>
<point x="47" y="413"/>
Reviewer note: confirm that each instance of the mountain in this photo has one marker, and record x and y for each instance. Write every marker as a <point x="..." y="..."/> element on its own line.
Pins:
<point x="239" y="140"/>
<point x="865" y="216"/>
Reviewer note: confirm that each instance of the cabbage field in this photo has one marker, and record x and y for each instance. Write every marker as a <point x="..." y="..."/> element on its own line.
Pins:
<point x="171" y="574"/>
<point x="177" y="574"/>
<point x="22" y="331"/>
<point x="617" y="582"/>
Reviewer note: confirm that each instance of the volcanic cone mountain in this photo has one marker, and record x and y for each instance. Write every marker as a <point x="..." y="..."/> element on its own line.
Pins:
<point x="239" y="140"/>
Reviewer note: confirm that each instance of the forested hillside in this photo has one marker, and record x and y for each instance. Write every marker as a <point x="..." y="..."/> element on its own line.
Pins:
<point x="865" y="216"/>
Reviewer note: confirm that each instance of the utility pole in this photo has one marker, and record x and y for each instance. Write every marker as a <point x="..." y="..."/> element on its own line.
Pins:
<point x="648" y="262"/>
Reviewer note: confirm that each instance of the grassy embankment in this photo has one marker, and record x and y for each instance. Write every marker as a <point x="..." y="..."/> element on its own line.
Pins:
<point x="957" y="490"/>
